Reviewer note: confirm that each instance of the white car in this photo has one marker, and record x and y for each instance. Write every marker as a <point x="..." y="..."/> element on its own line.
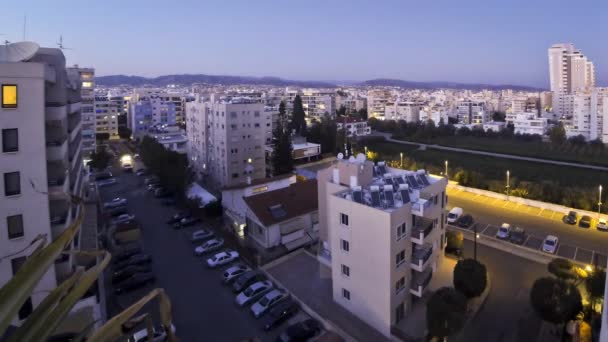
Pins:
<point x="124" y="218"/>
<point x="271" y="298"/>
<point x="253" y="292"/>
<point x="209" y="246"/>
<point x="602" y="224"/>
<point x="504" y="231"/>
<point x="116" y="202"/>
<point x="159" y="334"/>
<point x="550" y="244"/>
<point x="222" y="258"/>
<point x="234" y="272"/>
<point x="454" y="214"/>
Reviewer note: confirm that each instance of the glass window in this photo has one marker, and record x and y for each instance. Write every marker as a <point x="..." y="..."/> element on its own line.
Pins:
<point x="346" y="270"/>
<point x="344" y="245"/>
<point x="15" y="226"/>
<point x="16" y="264"/>
<point x="10" y="140"/>
<point x="12" y="184"/>
<point x="401" y="231"/>
<point x="9" y="96"/>
<point x="344" y="219"/>
<point x="400" y="258"/>
<point x="346" y="294"/>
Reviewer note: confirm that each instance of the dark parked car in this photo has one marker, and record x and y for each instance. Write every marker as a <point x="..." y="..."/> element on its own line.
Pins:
<point x="177" y="217"/>
<point x="135" y="282"/>
<point x="162" y="192"/>
<point x="280" y="313"/>
<point x="137" y="259"/>
<point x="116" y="211"/>
<point x="585" y="222"/>
<point x="518" y="236"/>
<point x="247" y="279"/>
<point x="128" y="272"/>
<point x="301" y="331"/>
<point x="465" y="221"/>
<point x="571" y="218"/>
<point x="186" y="222"/>
<point x="126" y="254"/>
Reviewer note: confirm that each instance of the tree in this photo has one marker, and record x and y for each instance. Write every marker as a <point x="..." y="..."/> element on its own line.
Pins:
<point x="341" y="111"/>
<point x="578" y="140"/>
<point x="470" y="277"/>
<point x="362" y="113"/>
<point x="595" y="284"/>
<point x="171" y="167"/>
<point x="282" y="153"/>
<point x="562" y="269"/>
<point x="445" y="312"/>
<point x="124" y="132"/>
<point x="455" y="242"/>
<point x="100" y="159"/>
<point x="498" y="116"/>
<point x="557" y="134"/>
<point x="102" y="136"/>
<point x="555" y="300"/>
<point x="298" y="119"/>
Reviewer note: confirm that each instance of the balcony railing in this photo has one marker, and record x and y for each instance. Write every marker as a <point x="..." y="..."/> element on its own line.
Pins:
<point x="56" y="181"/>
<point x="421" y="230"/>
<point x="420" y="256"/>
<point x="420" y="281"/>
<point x="420" y="206"/>
<point x="56" y="141"/>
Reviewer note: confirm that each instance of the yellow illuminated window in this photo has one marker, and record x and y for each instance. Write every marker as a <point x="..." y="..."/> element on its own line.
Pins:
<point x="9" y="96"/>
<point x="87" y="84"/>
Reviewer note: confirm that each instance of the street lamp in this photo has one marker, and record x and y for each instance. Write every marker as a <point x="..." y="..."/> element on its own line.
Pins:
<point x="401" y="155"/>
<point x="599" y="203"/>
<point x="446" y="170"/>
<point x="365" y="147"/>
<point x="508" y="183"/>
<point x="476" y="236"/>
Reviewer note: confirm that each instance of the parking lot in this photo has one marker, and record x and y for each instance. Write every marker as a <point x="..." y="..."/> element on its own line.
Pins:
<point x="564" y="250"/>
<point x="203" y="308"/>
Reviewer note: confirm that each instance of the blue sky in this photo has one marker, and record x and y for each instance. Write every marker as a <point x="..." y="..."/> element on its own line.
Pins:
<point x="438" y="40"/>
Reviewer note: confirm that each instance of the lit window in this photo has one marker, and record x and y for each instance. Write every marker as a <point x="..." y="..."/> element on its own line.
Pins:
<point x="87" y="84"/>
<point x="344" y="219"/>
<point x="15" y="226"/>
<point x="9" y="96"/>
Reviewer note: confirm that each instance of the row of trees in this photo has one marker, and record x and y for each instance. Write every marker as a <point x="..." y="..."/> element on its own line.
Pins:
<point x="282" y="153"/>
<point x="170" y="167"/>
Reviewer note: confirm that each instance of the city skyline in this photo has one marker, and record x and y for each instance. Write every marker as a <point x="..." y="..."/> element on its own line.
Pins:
<point x="333" y="42"/>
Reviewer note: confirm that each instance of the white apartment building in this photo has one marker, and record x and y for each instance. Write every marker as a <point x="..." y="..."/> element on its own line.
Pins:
<point x="585" y="113"/>
<point x="403" y="110"/>
<point x="470" y="112"/>
<point x="87" y="109"/>
<point x="317" y="103"/>
<point x="226" y="139"/>
<point x="383" y="231"/>
<point x="40" y="160"/>
<point x="106" y="115"/>
<point x="527" y="123"/>
<point x="376" y="103"/>
<point x="354" y="127"/>
<point x="435" y="114"/>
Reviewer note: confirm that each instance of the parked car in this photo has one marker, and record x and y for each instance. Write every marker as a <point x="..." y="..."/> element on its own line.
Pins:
<point x="280" y="313"/>
<point x="141" y="172"/>
<point x="571" y="218"/>
<point x="186" y="222"/>
<point x="267" y="301"/>
<point x="233" y="272"/>
<point x="116" y="202"/>
<point x="128" y="272"/>
<point x="137" y="259"/>
<point x="201" y="235"/>
<point x="465" y="221"/>
<point x="102" y="175"/>
<point x="135" y="282"/>
<point x="504" y="231"/>
<point x="151" y="180"/>
<point x="209" y="246"/>
<point x="518" y="236"/>
<point x="127" y="167"/>
<point x="124" y="218"/>
<point x="126" y="254"/>
<point x="247" y="279"/>
<point x="454" y="214"/>
<point x="162" y="192"/>
<point x="153" y="187"/>
<point x="550" y="244"/>
<point x="116" y="211"/>
<point x="222" y="258"/>
<point x="253" y="292"/>
<point x="602" y="225"/>
<point x="177" y="217"/>
<point x="159" y="334"/>
<point x="106" y="182"/>
<point x="301" y="331"/>
<point x="585" y="222"/>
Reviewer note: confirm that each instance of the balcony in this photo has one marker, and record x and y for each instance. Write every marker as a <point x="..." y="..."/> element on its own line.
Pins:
<point x="74" y="107"/>
<point x="420" y="205"/>
<point x="74" y="121"/>
<point x="420" y="282"/>
<point x="59" y="210"/>
<point x="421" y="257"/>
<point x="422" y="228"/>
<point x="74" y="147"/>
<point x="55" y="111"/>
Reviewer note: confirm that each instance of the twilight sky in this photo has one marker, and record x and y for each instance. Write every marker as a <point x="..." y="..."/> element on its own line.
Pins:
<point x="496" y="42"/>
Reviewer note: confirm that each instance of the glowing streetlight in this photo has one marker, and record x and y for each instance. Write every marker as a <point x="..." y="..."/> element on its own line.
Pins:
<point x="446" y="170"/>
<point x="401" y="155"/>
<point x="365" y="147"/>
<point x="508" y="182"/>
<point x="599" y="203"/>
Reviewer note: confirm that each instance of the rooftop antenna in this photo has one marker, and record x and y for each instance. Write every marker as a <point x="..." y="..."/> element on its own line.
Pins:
<point x="60" y="44"/>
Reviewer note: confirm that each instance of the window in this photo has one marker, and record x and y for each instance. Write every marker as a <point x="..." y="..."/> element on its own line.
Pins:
<point x="10" y="140"/>
<point x="16" y="264"/>
<point x="235" y="175"/>
<point x="443" y="199"/>
<point x="400" y="258"/>
<point x="9" y="96"/>
<point x="400" y="285"/>
<point x="344" y="245"/>
<point x="345" y="270"/>
<point x="256" y="125"/>
<point x="346" y="294"/>
<point x="12" y="184"/>
<point x="399" y="312"/>
<point x="233" y="114"/>
<point x="344" y="219"/>
<point x="401" y="230"/>
<point x="15" y="226"/>
<point x="256" y="114"/>
<point x="87" y="84"/>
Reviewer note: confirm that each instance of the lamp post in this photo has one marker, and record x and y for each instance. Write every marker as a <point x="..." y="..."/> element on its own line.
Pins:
<point x="508" y="183"/>
<point x="446" y="170"/>
<point x="599" y="204"/>
<point x="401" y="155"/>
<point x="365" y="147"/>
<point x="476" y="236"/>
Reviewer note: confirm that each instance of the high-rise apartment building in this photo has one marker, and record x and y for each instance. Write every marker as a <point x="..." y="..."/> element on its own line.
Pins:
<point x="87" y="109"/>
<point x="471" y="112"/>
<point x="584" y="114"/>
<point x="40" y="159"/>
<point x="376" y="102"/>
<point x="383" y="230"/>
<point x="226" y="139"/>
<point x="403" y="110"/>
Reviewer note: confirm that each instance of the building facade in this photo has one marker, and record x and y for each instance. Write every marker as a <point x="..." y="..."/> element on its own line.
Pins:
<point x="106" y="116"/>
<point x="87" y="83"/>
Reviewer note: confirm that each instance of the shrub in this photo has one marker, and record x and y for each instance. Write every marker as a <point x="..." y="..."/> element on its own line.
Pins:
<point x="470" y="277"/>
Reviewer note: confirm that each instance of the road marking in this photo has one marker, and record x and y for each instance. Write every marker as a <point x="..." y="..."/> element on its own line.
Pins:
<point x="526" y="241"/>
<point x="486" y="227"/>
<point x="592" y="254"/>
<point x="575" y="252"/>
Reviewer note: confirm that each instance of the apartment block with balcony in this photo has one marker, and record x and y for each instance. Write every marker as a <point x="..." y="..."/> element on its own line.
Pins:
<point x="382" y="230"/>
<point x="354" y="127"/>
<point x="40" y="161"/>
<point x="86" y="76"/>
<point x="106" y="116"/>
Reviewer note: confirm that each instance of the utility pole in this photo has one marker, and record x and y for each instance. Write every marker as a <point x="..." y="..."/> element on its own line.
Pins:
<point x="508" y="183"/>
<point x="475" y="241"/>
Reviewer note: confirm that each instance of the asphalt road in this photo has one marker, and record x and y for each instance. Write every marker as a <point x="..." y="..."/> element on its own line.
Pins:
<point x="589" y="239"/>
<point x="506" y="314"/>
<point x="203" y="309"/>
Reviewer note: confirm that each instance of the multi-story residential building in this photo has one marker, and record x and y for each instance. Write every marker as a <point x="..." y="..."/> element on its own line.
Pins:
<point x="87" y="109"/>
<point x="435" y="114"/>
<point x="161" y="106"/>
<point x="354" y="127"/>
<point x="226" y="139"/>
<point x="584" y="114"/>
<point x="527" y="123"/>
<point x="382" y="230"/>
<point x="469" y="112"/>
<point x="40" y="160"/>
<point x="403" y="110"/>
<point x="106" y="115"/>
<point x="376" y="102"/>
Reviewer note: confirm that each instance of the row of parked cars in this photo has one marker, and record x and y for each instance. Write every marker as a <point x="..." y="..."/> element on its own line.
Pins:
<point x="585" y="221"/>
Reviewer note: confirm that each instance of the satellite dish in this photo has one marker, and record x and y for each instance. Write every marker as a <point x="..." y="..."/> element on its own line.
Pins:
<point x="340" y="156"/>
<point x="351" y="159"/>
<point x="18" y="52"/>
<point x="361" y="157"/>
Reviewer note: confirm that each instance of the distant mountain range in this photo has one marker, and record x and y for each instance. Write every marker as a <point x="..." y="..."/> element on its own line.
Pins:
<point x="188" y="79"/>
